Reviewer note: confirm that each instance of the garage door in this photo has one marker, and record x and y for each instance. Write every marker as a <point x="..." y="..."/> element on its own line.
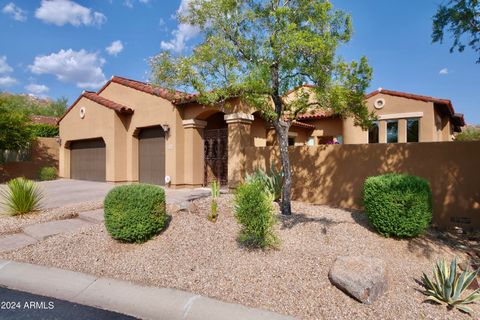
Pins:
<point x="151" y="155"/>
<point x="88" y="160"/>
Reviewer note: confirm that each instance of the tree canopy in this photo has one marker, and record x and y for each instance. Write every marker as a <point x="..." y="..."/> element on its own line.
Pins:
<point x="260" y="50"/>
<point x="460" y="18"/>
<point x="15" y="133"/>
<point x="470" y="133"/>
<point x="32" y="106"/>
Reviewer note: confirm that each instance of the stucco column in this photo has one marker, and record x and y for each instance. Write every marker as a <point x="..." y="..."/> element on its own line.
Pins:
<point x="239" y="129"/>
<point x="353" y="134"/>
<point x="194" y="153"/>
<point x="382" y="131"/>
<point x="64" y="162"/>
<point x="402" y="130"/>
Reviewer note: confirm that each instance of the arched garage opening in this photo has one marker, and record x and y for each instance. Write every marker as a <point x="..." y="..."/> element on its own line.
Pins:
<point x="151" y="155"/>
<point x="88" y="159"/>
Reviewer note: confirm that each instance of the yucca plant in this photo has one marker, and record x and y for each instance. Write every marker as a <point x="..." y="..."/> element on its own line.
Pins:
<point x="214" y="205"/>
<point x="21" y="196"/>
<point x="448" y="285"/>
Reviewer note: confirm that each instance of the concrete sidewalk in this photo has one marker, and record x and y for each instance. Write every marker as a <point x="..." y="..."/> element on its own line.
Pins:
<point x="121" y="296"/>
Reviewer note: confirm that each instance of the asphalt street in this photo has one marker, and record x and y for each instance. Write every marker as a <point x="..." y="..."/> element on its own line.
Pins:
<point x="16" y="305"/>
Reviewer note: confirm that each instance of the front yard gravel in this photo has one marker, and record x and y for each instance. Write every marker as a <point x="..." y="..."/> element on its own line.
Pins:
<point x="199" y="256"/>
<point x="14" y="224"/>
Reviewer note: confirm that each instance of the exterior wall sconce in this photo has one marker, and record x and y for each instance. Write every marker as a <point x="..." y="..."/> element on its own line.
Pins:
<point x="58" y="140"/>
<point x="166" y="128"/>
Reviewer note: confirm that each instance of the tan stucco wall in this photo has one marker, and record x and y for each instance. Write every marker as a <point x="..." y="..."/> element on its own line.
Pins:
<point x="149" y="110"/>
<point x="403" y="107"/>
<point x="326" y="127"/>
<point x="334" y="175"/>
<point x="99" y="122"/>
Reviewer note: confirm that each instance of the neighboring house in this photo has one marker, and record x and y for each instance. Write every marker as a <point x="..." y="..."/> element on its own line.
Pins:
<point x="131" y="131"/>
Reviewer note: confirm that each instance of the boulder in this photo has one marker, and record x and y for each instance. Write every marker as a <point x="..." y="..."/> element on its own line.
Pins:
<point x="363" y="278"/>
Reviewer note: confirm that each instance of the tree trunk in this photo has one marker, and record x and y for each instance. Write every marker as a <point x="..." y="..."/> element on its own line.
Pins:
<point x="281" y="129"/>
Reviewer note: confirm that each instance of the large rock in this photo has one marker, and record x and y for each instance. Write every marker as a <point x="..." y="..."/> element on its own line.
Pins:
<point x="363" y="278"/>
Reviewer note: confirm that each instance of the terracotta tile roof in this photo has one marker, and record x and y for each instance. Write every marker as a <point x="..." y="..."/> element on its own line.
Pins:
<point x="303" y="125"/>
<point x="101" y="101"/>
<point x="318" y="114"/>
<point x="107" y="103"/>
<point x="44" y="120"/>
<point x="147" y="88"/>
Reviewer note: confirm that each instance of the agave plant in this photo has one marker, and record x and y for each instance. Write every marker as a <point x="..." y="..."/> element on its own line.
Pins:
<point x="214" y="205"/>
<point x="21" y="196"/>
<point x="273" y="181"/>
<point x="448" y="285"/>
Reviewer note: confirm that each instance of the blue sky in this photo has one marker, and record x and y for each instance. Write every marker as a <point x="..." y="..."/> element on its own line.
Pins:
<point x="58" y="48"/>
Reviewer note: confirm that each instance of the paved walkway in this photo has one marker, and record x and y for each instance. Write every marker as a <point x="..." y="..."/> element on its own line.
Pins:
<point x="177" y="199"/>
<point x="121" y="296"/>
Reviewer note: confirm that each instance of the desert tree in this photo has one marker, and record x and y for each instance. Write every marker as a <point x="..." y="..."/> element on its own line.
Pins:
<point x="258" y="51"/>
<point x="460" y="18"/>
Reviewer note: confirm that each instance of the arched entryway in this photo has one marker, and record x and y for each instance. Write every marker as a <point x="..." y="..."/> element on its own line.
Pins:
<point x="215" y="138"/>
<point x="151" y="155"/>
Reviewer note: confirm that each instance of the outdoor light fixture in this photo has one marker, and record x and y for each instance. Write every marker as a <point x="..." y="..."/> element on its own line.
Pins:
<point x="58" y="140"/>
<point x="166" y="128"/>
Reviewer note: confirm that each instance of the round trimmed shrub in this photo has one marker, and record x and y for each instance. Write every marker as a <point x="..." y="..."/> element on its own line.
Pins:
<point x="47" y="173"/>
<point x="136" y="212"/>
<point x="255" y="212"/>
<point x="398" y="205"/>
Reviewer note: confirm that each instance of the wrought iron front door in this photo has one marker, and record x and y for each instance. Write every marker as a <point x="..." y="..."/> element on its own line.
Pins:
<point x="216" y="155"/>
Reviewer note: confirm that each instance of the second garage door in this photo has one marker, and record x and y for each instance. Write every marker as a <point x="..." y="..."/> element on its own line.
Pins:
<point x="88" y="160"/>
<point x="151" y="155"/>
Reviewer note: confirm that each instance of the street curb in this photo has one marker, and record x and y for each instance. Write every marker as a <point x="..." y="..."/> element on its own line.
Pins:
<point x="122" y="296"/>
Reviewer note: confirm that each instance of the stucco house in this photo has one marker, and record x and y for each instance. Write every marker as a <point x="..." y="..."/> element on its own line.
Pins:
<point x="131" y="131"/>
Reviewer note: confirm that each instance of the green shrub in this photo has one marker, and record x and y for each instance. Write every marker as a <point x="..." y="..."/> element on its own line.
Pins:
<point x="448" y="285"/>
<point x="47" y="173"/>
<point x="44" y="130"/>
<point x="135" y="213"/>
<point x="255" y="212"/>
<point x="21" y="196"/>
<point x="398" y="205"/>
<point x="272" y="182"/>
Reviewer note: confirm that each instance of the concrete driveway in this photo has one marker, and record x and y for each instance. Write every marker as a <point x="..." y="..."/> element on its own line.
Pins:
<point x="63" y="192"/>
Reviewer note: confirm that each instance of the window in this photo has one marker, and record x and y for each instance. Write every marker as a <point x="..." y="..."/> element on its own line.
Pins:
<point x="325" y="140"/>
<point x="412" y="130"/>
<point x="373" y="132"/>
<point x="392" y="131"/>
<point x="291" y="141"/>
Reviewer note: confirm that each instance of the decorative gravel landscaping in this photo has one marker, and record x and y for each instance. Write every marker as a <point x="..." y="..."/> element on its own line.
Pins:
<point x="199" y="256"/>
<point x="13" y="224"/>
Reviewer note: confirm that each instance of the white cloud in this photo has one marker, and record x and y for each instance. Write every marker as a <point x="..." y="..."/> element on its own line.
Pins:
<point x="7" y="81"/>
<point x="4" y="67"/>
<point x="61" y="12"/>
<point x="37" y="89"/>
<point x="80" y="67"/>
<point x="444" y="71"/>
<point x="183" y="33"/>
<point x="129" y="3"/>
<point x="115" y="48"/>
<point x="15" y="12"/>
